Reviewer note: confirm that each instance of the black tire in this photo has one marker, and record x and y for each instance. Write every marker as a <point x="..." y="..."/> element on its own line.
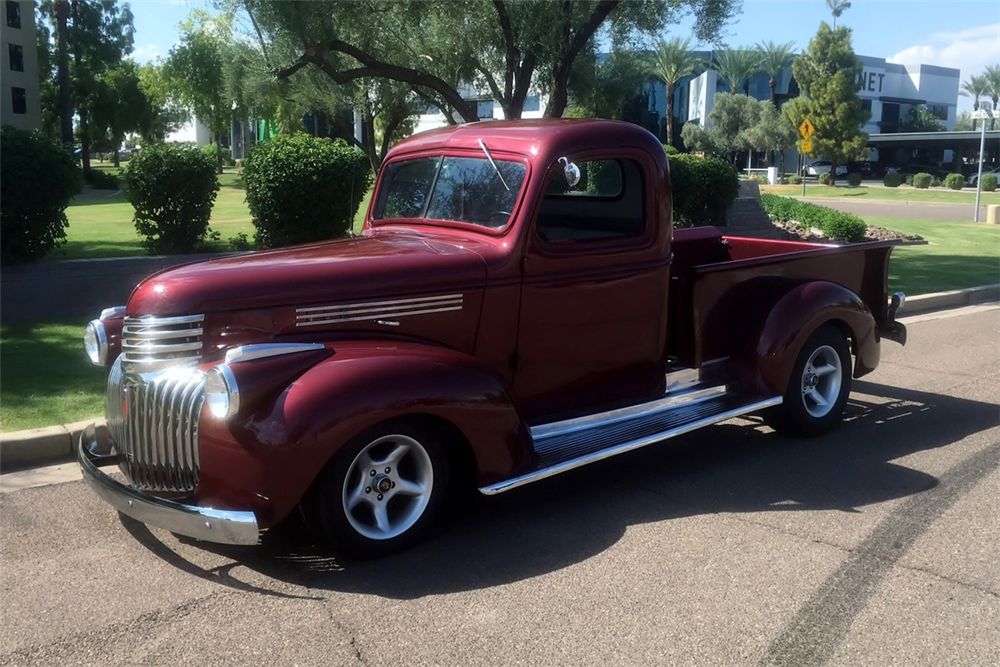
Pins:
<point x="380" y="493"/>
<point x="818" y="387"/>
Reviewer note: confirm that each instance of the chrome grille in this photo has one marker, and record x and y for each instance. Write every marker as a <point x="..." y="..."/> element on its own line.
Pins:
<point x="153" y="422"/>
<point x="150" y="342"/>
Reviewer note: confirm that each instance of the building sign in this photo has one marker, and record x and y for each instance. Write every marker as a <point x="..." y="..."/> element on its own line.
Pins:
<point x="871" y="81"/>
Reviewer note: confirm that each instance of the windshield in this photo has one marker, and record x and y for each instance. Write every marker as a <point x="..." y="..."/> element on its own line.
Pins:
<point x="463" y="189"/>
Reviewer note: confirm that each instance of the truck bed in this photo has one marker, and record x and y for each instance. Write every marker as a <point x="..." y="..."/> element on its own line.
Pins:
<point x="718" y="282"/>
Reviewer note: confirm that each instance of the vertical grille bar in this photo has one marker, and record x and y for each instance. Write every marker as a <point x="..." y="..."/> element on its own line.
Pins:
<point x="153" y="422"/>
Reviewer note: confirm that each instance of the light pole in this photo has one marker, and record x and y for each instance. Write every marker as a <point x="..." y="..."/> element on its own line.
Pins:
<point x="983" y="115"/>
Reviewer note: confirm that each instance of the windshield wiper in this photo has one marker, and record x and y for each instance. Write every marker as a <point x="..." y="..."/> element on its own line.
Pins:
<point x="495" y="167"/>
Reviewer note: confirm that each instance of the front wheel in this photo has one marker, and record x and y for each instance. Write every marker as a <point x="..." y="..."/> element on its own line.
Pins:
<point x="381" y="492"/>
<point x="818" y="387"/>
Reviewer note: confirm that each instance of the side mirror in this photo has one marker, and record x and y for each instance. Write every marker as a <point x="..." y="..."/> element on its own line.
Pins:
<point x="571" y="172"/>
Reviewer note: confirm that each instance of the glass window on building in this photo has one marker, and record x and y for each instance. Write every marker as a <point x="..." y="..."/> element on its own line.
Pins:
<point x="939" y="110"/>
<point x="13" y="14"/>
<point x="15" y="53"/>
<point x="19" y="100"/>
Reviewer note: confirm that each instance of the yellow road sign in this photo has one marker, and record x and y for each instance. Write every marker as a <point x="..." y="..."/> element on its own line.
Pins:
<point x="806" y="129"/>
<point x="807" y="146"/>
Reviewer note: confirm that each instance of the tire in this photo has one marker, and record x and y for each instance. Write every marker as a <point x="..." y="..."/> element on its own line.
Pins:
<point x="381" y="492"/>
<point x="818" y="387"/>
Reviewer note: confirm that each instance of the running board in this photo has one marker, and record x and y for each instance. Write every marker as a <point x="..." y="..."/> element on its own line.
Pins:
<point x="567" y="445"/>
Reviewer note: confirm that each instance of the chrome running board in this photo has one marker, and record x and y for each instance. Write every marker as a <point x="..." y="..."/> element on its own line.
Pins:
<point x="563" y="446"/>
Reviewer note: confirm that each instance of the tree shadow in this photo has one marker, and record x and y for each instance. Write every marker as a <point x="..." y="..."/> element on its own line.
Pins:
<point x="738" y="467"/>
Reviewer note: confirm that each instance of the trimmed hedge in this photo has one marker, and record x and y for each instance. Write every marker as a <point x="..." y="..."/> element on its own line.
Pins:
<point x="834" y="224"/>
<point x="989" y="182"/>
<point x="703" y="188"/>
<point x="923" y="180"/>
<point x="826" y="178"/>
<point x="892" y="180"/>
<point x="38" y="178"/>
<point x="172" y="188"/>
<point x="303" y="189"/>
<point x="954" y="181"/>
<point x="854" y="179"/>
<point x="101" y="180"/>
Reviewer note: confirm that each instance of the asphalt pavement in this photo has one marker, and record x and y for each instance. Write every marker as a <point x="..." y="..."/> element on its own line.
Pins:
<point x="873" y="545"/>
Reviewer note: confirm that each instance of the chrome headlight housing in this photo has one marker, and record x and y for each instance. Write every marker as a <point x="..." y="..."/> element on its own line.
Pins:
<point x="95" y="342"/>
<point x="222" y="394"/>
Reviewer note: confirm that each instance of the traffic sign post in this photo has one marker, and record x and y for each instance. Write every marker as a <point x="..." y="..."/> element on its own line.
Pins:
<point x="806" y="129"/>
<point x="983" y="115"/>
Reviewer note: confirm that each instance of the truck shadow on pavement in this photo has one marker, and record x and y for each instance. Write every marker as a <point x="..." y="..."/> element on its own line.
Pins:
<point x="739" y="467"/>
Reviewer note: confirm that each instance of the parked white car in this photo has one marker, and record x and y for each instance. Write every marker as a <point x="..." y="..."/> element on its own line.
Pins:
<point x="973" y="178"/>
<point x="823" y="167"/>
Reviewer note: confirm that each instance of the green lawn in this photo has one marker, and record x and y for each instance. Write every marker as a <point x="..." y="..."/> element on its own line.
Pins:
<point x="46" y="376"/>
<point x="957" y="255"/>
<point x="902" y="193"/>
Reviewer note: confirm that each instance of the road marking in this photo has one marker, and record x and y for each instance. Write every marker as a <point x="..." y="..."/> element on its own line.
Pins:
<point x="952" y="312"/>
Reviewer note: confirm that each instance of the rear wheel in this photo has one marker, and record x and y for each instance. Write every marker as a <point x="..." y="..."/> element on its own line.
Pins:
<point x="818" y="387"/>
<point x="381" y="492"/>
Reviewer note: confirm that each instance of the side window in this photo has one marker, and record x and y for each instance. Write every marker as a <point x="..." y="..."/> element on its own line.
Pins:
<point x="607" y="203"/>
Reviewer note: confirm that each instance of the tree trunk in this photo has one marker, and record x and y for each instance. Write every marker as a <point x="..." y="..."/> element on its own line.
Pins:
<point x="218" y="152"/>
<point x="61" y="8"/>
<point x="668" y="123"/>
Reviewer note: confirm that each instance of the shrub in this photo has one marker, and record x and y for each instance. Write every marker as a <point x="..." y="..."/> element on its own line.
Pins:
<point x="762" y="179"/>
<point x="38" y="178"/>
<point x="922" y="181"/>
<point x="989" y="182"/>
<point x="826" y="179"/>
<point x="834" y="224"/>
<point x="935" y="182"/>
<point x="172" y="189"/>
<point x="703" y="188"/>
<point x="101" y="180"/>
<point x="227" y="155"/>
<point x="795" y="179"/>
<point x="670" y="150"/>
<point x="909" y="180"/>
<point x="854" y="179"/>
<point x="240" y="242"/>
<point x="954" y="181"/>
<point x="892" y="180"/>
<point x="302" y="188"/>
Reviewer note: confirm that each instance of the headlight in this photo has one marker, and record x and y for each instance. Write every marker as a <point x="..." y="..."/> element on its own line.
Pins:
<point x="221" y="393"/>
<point x="95" y="342"/>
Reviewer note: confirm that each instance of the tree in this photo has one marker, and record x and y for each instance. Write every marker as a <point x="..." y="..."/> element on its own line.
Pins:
<point x="974" y="87"/>
<point x="992" y="76"/>
<point x="195" y="68"/>
<point x="774" y="58"/>
<point x="92" y="36"/>
<point x="120" y="106"/>
<point x="837" y="8"/>
<point x="438" y="47"/>
<point x="168" y="113"/>
<point x="608" y="87"/>
<point x="964" y="122"/>
<point x="772" y="132"/>
<point x="828" y="73"/>
<point x="672" y="61"/>
<point x="736" y="66"/>
<point x="920" y="119"/>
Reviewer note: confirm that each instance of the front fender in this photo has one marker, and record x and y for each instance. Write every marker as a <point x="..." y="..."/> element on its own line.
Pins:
<point x="770" y="356"/>
<point x="270" y="458"/>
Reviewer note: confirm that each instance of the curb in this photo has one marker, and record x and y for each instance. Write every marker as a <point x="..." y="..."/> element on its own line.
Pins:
<point x="57" y="444"/>
<point x="42" y="446"/>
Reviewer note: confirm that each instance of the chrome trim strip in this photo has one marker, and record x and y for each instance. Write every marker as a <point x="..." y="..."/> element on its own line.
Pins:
<point x="112" y="312"/>
<point x="581" y="461"/>
<point x="633" y="411"/>
<point x="377" y="310"/>
<point x="203" y="523"/>
<point x="265" y="350"/>
<point x="165" y="321"/>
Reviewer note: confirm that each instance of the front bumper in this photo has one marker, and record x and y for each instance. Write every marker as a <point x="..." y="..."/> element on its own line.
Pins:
<point x="203" y="523"/>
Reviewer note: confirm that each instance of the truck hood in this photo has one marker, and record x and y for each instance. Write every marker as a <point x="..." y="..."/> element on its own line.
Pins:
<point x="355" y="269"/>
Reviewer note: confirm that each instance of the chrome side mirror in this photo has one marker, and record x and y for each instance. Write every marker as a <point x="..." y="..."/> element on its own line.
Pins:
<point x="571" y="172"/>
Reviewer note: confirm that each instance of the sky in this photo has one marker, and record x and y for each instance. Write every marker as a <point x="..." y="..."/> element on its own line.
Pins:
<point x="963" y="34"/>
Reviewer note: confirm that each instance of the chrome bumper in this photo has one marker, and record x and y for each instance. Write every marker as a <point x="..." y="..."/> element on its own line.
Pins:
<point x="893" y="330"/>
<point x="203" y="523"/>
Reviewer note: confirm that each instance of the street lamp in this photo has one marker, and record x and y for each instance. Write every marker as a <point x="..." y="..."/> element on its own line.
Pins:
<point x="983" y="115"/>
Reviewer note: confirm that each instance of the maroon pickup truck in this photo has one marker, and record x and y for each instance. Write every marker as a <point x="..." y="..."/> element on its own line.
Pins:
<point x="518" y="305"/>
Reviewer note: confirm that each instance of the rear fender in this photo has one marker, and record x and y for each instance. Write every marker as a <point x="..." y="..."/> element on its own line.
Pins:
<point x="767" y="361"/>
<point x="291" y="437"/>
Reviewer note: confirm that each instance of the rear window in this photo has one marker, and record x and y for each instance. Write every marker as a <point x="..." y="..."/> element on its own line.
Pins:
<point x="460" y="189"/>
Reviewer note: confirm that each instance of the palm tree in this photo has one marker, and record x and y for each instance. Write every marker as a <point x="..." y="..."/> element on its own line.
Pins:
<point x="736" y="66"/>
<point x="672" y="61"/>
<point x="774" y="58"/>
<point x="974" y="87"/>
<point x="992" y="77"/>
<point x="837" y="8"/>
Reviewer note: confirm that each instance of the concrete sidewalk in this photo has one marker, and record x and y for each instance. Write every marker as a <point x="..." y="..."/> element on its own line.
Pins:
<point x="20" y="450"/>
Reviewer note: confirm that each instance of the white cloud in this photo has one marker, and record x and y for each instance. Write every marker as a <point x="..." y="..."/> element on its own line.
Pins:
<point x="967" y="50"/>
<point x="145" y="54"/>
